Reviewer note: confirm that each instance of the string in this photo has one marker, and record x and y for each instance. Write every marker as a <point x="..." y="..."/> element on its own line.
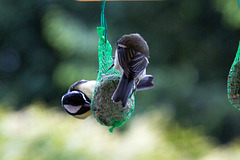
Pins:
<point x="103" y="108"/>
<point x="103" y="20"/>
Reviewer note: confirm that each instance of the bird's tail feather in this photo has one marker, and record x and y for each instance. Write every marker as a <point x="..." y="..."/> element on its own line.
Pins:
<point x="123" y="90"/>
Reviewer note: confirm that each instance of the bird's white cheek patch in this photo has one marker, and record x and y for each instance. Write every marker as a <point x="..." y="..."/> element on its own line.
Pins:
<point x="72" y="109"/>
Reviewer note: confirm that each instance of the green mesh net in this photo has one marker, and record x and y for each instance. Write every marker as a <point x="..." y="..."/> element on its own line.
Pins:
<point x="233" y="83"/>
<point x="103" y="108"/>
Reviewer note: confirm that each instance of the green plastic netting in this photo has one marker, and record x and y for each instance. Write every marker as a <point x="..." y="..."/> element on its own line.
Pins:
<point x="103" y="108"/>
<point x="233" y="83"/>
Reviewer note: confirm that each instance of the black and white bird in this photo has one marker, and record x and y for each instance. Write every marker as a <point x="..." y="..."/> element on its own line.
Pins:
<point x="131" y="59"/>
<point x="77" y="101"/>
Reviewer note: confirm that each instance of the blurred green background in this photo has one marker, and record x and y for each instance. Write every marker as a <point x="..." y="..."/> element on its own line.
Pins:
<point x="46" y="45"/>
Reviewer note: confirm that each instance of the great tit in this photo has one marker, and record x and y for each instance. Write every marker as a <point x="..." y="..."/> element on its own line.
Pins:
<point x="131" y="59"/>
<point x="78" y="99"/>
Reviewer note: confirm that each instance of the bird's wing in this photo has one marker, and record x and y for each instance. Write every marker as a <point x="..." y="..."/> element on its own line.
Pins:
<point x="133" y="63"/>
<point x="137" y="64"/>
<point x="145" y="83"/>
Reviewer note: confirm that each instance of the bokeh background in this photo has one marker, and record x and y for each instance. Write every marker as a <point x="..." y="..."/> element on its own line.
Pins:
<point x="46" y="45"/>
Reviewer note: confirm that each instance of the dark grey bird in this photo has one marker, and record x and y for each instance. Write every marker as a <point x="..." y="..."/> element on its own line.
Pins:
<point x="131" y="59"/>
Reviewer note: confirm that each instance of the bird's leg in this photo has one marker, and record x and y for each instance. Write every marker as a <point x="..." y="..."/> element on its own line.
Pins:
<point x="112" y="64"/>
<point x="135" y="86"/>
<point x="133" y="91"/>
<point x="110" y="67"/>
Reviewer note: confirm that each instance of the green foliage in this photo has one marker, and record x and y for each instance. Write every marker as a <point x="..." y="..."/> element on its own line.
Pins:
<point x="70" y="38"/>
<point x="230" y="12"/>
<point x="68" y="35"/>
<point x="47" y="134"/>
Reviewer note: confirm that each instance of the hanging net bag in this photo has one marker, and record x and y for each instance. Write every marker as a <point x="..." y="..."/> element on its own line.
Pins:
<point x="103" y="108"/>
<point x="233" y="83"/>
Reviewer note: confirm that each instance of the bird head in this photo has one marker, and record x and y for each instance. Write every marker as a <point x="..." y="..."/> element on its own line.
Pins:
<point x="78" y="99"/>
